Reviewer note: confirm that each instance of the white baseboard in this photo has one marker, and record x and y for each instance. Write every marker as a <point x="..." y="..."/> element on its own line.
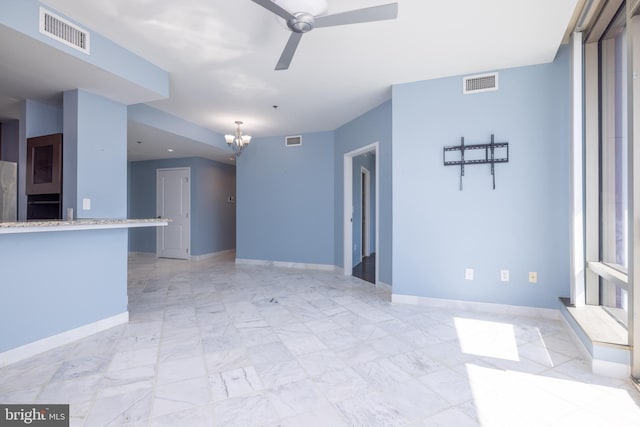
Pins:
<point x="218" y="254"/>
<point x="610" y="369"/>
<point x="483" y="307"/>
<point x="28" y="350"/>
<point x="146" y="254"/>
<point x="283" y="264"/>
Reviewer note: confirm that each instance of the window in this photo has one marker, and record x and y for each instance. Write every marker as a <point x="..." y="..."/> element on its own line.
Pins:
<point x="613" y="145"/>
<point x="613" y="168"/>
<point x="607" y="170"/>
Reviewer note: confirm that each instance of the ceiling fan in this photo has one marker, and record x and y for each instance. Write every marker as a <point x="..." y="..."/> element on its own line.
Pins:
<point x="303" y="22"/>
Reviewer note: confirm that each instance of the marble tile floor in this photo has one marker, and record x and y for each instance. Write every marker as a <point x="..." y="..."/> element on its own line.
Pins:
<point x="210" y="343"/>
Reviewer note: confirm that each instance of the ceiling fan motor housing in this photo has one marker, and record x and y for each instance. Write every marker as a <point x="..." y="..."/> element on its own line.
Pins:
<point x="302" y="22"/>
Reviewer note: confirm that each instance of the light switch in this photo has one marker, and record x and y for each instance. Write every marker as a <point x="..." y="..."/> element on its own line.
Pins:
<point x="86" y="204"/>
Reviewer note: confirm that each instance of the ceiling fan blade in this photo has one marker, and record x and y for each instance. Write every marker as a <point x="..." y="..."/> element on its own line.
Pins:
<point x="368" y="14"/>
<point x="275" y="8"/>
<point x="289" y="50"/>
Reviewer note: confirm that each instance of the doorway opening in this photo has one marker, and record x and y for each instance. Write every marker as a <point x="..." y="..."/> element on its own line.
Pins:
<point x="366" y="268"/>
<point x="360" y="223"/>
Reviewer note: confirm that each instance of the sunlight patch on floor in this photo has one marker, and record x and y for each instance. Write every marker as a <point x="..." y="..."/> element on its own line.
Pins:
<point x="484" y="338"/>
<point x="500" y="396"/>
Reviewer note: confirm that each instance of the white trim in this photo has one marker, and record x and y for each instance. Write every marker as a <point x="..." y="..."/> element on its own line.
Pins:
<point x="285" y="264"/>
<point x="218" y="254"/>
<point x="610" y="369"/>
<point x="577" y="262"/>
<point x="592" y="168"/>
<point x="483" y="307"/>
<point x="347" y="226"/>
<point x="46" y="344"/>
<point x="633" y="63"/>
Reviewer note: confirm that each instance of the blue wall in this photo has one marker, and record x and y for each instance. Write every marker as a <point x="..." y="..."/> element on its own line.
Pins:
<point x="70" y="152"/>
<point x="56" y="281"/>
<point x="373" y="126"/>
<point x="522" y="225"/>
<point x="213" y="219"/>
<point x="285" y="200"/>
<point x="100" y="146"/>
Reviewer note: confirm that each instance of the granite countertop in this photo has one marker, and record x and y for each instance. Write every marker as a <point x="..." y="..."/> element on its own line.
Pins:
<point x="78" y="224"/>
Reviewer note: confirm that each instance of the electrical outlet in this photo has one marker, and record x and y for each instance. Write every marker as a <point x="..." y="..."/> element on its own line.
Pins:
<point x="86" y="204"/>
<point x="533" y="277"/>
<point x="504" y="275"/>
<point x="468" y="273"/>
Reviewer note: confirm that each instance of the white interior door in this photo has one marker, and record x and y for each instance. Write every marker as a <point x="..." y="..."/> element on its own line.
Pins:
<point x="173" y="202"/>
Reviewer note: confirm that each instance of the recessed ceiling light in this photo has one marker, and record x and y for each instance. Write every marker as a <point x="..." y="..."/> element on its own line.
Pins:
<point x="170" y="150"/>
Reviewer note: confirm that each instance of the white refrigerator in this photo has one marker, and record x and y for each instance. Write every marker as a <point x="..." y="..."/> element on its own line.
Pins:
<point x="8" y="191"/>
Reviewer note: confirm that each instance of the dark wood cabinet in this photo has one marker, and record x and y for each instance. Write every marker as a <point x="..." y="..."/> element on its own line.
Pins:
<point x="44" y="177"/>
<point x="44" y="164"/>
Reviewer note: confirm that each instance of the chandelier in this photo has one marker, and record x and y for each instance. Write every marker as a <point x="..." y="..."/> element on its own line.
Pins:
<point x="238" y="141"/>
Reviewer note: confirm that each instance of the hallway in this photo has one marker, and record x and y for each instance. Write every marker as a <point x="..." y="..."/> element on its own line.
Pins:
<point x="366" y="270"/>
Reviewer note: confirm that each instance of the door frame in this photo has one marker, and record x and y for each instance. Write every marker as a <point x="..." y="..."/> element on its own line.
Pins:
<point x="348" y="207"/>
<point x="158" y="229"/>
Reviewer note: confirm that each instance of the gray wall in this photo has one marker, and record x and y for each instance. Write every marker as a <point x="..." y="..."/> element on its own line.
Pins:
<point x="10" y="141"/>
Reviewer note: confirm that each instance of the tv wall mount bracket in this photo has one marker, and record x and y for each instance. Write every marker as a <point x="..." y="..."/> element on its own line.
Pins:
<point x="494" y="152"/>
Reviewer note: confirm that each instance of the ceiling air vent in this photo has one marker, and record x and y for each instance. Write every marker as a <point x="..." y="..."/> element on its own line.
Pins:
<point x="60" y="29"/>
<point x="293" y="141"/>
<point x="480" y="83"/>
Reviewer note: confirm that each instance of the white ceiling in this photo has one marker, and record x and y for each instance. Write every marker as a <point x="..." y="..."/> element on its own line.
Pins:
<point x="221" y="55"/>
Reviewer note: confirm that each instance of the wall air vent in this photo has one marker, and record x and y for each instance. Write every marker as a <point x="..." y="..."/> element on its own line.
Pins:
<point x="60" y="29"/>
<point x="480" y="83"/>
<point x="293" y="141"/>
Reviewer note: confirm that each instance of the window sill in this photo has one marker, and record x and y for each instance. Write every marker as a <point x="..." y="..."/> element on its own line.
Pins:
<point x="598" y="325"/>
<point x="605" y="341"/>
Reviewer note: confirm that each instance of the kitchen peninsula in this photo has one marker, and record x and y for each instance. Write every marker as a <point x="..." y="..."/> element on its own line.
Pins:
<point x="78" y="224"/>
<point x="62" y="281"/>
